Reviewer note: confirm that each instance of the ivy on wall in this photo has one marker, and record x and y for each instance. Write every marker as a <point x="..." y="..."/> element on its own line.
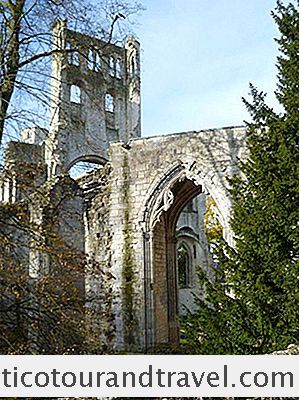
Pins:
<point x="128" y="271"/>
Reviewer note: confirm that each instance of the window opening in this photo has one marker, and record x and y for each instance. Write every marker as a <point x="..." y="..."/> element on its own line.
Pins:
<point x="82" y="167"/>
<point x="109" y="103"/>
<point x="184" y="263"/>
<point x="133" y="65"/>
<point x="90" y="59"/>
<point x="68" y="54"/>
<point x="111" y="66"/>
<point x="76" y="58"/>
<point x="72" y="56"/>
<point x="75" y="95"/>
<point x="97" y="66"/>
<point x="118" y="68"/>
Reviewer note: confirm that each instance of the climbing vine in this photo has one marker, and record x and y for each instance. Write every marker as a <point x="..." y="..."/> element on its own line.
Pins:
<point x="100" y="315"/>
<point x="128" y="274"/>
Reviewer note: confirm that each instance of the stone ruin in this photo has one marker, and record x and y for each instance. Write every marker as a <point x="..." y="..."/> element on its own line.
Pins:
<point x="140" y="214"/>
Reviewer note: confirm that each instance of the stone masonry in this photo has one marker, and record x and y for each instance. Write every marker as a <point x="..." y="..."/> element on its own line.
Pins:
<point x="130" y="215"/>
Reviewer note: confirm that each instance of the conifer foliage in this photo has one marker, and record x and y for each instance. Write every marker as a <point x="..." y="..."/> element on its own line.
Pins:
<point x="253" y="307"/>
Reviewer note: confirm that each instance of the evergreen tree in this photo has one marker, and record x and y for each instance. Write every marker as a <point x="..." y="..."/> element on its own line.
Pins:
<point x="253" y="307"/>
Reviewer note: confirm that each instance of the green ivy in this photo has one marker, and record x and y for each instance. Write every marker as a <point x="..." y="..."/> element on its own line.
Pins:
<point x="128" y="272"/>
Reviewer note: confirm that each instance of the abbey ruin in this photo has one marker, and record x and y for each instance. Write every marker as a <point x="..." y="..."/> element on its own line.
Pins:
<point x="140" y="215"/>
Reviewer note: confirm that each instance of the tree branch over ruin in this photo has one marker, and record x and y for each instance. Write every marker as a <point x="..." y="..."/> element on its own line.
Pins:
<point x="25" y="37"/>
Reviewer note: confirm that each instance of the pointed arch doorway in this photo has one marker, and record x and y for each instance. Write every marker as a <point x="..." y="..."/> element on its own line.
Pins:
<point x="160" y="256"/>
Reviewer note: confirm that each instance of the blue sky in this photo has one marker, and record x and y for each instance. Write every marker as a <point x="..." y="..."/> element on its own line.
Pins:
<point x="198" y="57"/>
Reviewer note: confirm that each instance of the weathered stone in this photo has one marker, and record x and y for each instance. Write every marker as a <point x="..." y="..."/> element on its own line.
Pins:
<point x="125" y="214"/>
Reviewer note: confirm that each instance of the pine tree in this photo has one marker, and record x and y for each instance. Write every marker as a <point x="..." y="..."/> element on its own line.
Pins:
<point x="253" y="307"/>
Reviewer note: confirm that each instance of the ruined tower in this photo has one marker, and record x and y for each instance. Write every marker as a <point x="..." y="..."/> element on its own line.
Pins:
<point x="95" y="98"/>
<point x="139" y="220"/>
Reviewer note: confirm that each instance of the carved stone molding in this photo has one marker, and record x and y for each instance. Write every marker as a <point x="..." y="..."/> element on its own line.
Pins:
<point x="193" y="173"/>
<point x="165" y="198"/>
<point x="164" y="202"/>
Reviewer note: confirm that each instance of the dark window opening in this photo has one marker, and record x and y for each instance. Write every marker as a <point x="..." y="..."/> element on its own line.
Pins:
<point x="184" y="264"/>
<point x="133" y="65"/>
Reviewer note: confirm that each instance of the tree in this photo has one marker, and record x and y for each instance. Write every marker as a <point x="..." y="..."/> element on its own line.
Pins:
<point x="43" y="309"/>
<point x="43" y="296"/>
<point x="41" y="282"/>
<point x="252" y="306"/>
<point x="26" y="46"/>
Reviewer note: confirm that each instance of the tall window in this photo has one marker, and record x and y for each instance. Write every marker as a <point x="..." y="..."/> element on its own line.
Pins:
<point x="75" y="94"/>
<point x="68" y="54"/>
<point x="94" y="60"/>
<point x="111" y="66"/>
<point x="72" y="55"/>
<point x="184" y="265"/>
<point x="133" y="65"/>
<point x="75" y="58"/>
<point x="118" y="68"/>
<point x="90" y="60"/>
<point x="109" y="103"/>
<point x="98" y="63"/>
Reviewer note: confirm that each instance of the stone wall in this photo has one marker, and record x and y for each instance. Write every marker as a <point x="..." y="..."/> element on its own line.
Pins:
<point x="124" y="217"/>
<point x="95" y="98"/>
<point x="149" y="188"/>
<point x="99" y="279"/>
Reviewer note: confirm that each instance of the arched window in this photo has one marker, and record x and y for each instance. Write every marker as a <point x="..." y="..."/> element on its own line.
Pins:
<point x="72" y="55"/>
<point x="68" y="54"/>
<point x="118" y="68"/>
<point x="76" y="60"/>
<point x="75" y="94"/>
<point x="111" y="66"/>
<point x="194" y="251"/>
<point x="109" y="103"/>
<point x="133" y="65"/>
<point x="184" y="265"/>
<point x="98" y="63"/>
<point x="90" y="60"/>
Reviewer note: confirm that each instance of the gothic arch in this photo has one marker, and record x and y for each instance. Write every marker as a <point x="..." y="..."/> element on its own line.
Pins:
<point x="167" y="198"/>
<point x="161" y="197"/>
<point x="91" y="158"/>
